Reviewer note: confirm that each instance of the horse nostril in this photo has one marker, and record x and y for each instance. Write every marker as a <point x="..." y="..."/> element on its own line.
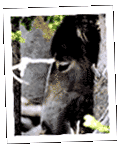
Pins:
<point x="44" y="126"/>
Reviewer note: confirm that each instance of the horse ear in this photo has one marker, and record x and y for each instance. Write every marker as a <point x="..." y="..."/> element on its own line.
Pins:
<point x="81" y="35"/>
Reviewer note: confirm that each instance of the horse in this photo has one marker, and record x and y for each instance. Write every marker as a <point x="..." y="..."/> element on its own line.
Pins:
<point x="69" y="91"/>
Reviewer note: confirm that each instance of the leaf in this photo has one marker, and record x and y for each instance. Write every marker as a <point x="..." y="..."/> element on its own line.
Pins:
<point x="92" y="123"/>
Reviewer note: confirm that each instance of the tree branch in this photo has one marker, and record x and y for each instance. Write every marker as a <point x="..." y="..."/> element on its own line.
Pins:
<point x="34" y="131"/>
<point x="31" y="110"/>
<point x="20" y="80"/>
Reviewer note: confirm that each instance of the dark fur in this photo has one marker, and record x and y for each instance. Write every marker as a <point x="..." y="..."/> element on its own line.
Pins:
<point x="70" y="95"/>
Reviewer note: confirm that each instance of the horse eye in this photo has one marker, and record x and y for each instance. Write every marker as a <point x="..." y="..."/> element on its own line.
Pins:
<point x="63" y="66"/>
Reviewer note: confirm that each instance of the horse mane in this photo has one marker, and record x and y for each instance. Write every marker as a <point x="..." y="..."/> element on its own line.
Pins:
<point x="77" y="36"/>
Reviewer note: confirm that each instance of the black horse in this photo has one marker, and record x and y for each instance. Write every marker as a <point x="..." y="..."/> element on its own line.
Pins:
<point x="69" y="94"/>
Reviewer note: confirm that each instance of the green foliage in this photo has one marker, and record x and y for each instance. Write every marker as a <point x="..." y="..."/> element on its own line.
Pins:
<point x="17" y="36"/>
<point x="92" y="123"/>
<point x="26" y="21"/>
<point x="55" y="21"/>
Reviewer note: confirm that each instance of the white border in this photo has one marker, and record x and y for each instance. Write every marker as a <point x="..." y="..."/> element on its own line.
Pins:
<point x="8" y="53"/>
